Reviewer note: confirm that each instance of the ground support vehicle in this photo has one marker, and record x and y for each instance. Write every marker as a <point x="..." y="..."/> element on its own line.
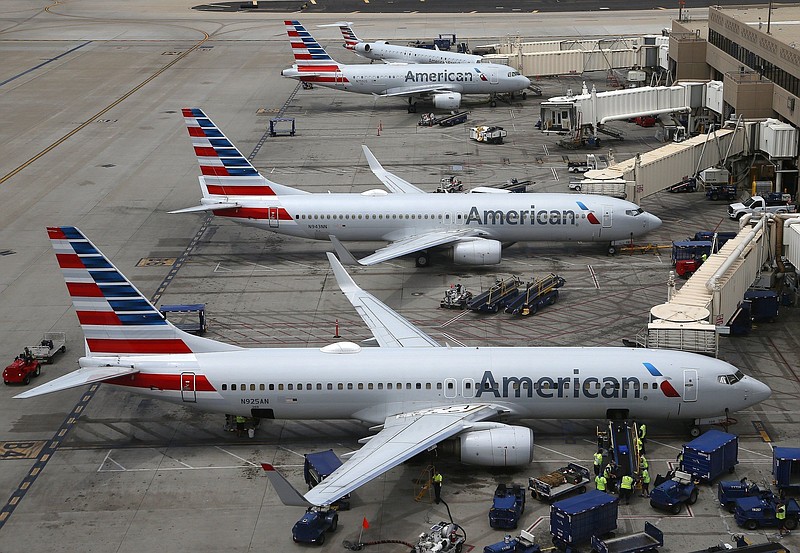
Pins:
<point x="688" y="184"/>
<point x="524" y="543"/>
<point x="515" y="185"/>
<point x="576" y="519"/>
<point x="743" y="547"/>
<point x="687" y="255"/>
<point x="729" y="491"/>
<point x="495" y="297"/>
<point x="650" y="540"/>
<point x="538" y="293"/>
<point x="431" y="119"/>
<point x="622" y="446"/>
<point x="722" y="192"/>
<point x="50" y="344"/>
<point x="786" y="468"/>
<point x="763" y="305"/>
<point x="508" y="505"/>
<point x="317" y="467"/>
<point x="312" y="527"/>
<point x="772" y="203"/>
<point x="445" y="537"/>
<point x="192" y="317"/>
<point x="616" y="188"/>
<point x="559" y="483"/>
<point x="490" y="135"/>
<point x="757" y="512"/>
<point x="578" y="166"/>
<point x="456" y="297"/>
<point x="710" y="235"/>
<point x="21" y="370"/>
<point x="670" y="495"/>
<point x="710" y="455"/>
<point x="450" y="184"/>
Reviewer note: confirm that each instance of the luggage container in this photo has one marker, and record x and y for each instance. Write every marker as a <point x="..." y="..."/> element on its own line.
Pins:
<point x="577" y="519"/>
<point x="708" y="456"/>
<point x="317" y="467"/>
<point x="786" y="468"/>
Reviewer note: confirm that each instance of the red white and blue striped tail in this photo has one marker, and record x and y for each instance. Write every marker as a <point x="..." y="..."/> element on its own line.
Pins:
<point x="350" y="38"/>
<point x="117" y="320"/>
<point x="307" y="51"/>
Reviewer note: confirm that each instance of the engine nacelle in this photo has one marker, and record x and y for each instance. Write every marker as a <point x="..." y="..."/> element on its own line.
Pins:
<point x="504" y="446"/>
<point x="447" y="100"/>
<point x="363" y="47"/>
<point x="478" y="251"/>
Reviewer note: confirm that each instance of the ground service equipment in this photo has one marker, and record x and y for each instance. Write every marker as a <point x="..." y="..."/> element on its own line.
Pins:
<point x="671" y="493"/>
<point x="688" y="184"/>
<point x="320" y="465"/>
<point x="763" y="305"/>
<point x="431" y="119"/>
<point x="576" y="519"/>
<point x="729" y="491"/>
<point x="496" y="297"/>
<point x="650" y="540"/>
<point x="786" y="468"/>
<point x="445" y="537"/>
<point x="710" y="455"/>
<point x="456" y="297"/>
<point x="312" y="527"/>
<point x="50" y="344"/>
<point x="559" y="483"/>
<point x="191" y="317"/>
<point x="508" y="505"/>
<point x="722" y="192"/>
<point x="539" y="292"/>
<point x="490" y="135"/>
<point x="21" y="370"/>
<point x="758" y="205"/>
<point x="525" y="543"/>
<point x="758" y="512"/>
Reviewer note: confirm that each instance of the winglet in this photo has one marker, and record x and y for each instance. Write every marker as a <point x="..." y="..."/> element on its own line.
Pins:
<point x="390" y="180"/>
<point x="343" y="253"/>
<point x="288" y="495"/>
<point x="343" y="278"/>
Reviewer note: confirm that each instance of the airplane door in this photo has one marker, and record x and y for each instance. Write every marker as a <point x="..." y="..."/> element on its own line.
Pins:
<point x="689" y="385"/>
<point x="272" y="217"/>
<point x="493" y="79"/>
<point x="607" y="211"/>
<point x="468" y="388"/>
<point x="450" y="387"/>
<point x="188" y="393"/>
<point x="448" y="219"/>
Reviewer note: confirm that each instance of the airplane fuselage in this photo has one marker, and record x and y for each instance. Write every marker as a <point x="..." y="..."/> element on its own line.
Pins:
<point x="369" y="384"/>
<point x="409" y="54"/>
<point x="502" y="217"/>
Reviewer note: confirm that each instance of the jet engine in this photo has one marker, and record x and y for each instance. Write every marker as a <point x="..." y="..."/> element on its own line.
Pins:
<point x="500" y="446"/>
<point x="447" y="100"/>
<point x="363" y="47"/>
<point x="478" y="251"/>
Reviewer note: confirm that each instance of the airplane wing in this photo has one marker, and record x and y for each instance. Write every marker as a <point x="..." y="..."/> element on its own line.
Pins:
<point x="390" y="180"/>
<point x="410" y="245"/>
<point x="418" y="89"/>
<point x="77" y="378"/>
<point x="389" y="328"/>
<point x="402" y="437"/>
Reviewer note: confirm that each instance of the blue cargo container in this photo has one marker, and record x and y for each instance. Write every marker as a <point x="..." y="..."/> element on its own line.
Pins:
<point x="710" y="455"/>
<point x="578" y="518"/>
<point x="763" y="305"/>
<point x="786" y="468"/>
<point x="317" y="467"/>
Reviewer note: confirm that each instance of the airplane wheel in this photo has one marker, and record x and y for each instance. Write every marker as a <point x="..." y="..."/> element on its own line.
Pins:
<point x="612" y="250"/>
<point x="694" y="431"/>
<point x="524" y="95"/>
<point x="412" y="107"/>
<point x="493" y="104"/>
<point x="422" y="260"/>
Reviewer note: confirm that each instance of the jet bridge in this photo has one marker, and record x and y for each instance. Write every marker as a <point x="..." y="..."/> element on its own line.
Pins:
<point x="711" y="297"/>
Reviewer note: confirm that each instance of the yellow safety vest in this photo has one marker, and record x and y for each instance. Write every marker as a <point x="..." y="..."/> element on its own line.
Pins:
<point x="627" y="483"/>
<point x="645" y="477"/>
<point x="598" y="459"/>
<point x="600" y="482"/>
<point x="437" y="478"/>
<point x="643" y="462"/>
<point x="643" y="431"/>
<point x="780" y="512"/>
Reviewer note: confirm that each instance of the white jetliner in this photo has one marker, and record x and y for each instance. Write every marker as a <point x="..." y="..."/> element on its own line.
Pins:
<point x="383" y="51"/>
<point x="416" y="392"/>
<point x="444" y="83"/>
<point x="473" y="225"/>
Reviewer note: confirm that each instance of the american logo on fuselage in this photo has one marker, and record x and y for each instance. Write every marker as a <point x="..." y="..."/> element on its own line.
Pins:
<point x="522" y="217"/>
<point x="608" y="387"/>
<point x="439" y="76"/>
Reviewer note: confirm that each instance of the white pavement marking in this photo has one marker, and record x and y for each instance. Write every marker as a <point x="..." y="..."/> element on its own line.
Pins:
<point x="242" y="459"/>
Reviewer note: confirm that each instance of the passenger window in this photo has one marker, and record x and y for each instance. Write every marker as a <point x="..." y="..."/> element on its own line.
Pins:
<point x="370" y="386"/>
<point x="224" y="387"/>
<point x="280" y="387"/>
<point x="252" y="387"/>
<point x="419" y="385"/>
<point x="319" y="386"/>
<point x="349" y="385"/>
<point x="389" y="386"/>
<point x="468" y="385"/>
<point x="427" y="385"/>
<point x="290" y="387"/>
<point x="330" y="386"/>
<point x="360" y="385"/>
<point x="645" y="385"/>
<point x="341" y="386"/>
<point x="272" y="387"/>
<point x="261" y="387"/>
<point x="408" y="385"/>
<point x="380" y="385"/>
<point x="309" y="387"/>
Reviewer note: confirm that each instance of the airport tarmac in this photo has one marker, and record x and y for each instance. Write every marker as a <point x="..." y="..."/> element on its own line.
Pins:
<point x="93" y="137"/>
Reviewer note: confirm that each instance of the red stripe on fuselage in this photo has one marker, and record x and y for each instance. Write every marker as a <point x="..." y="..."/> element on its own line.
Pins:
<point x="252" y="213"/>
<point x="105" y="345"/>
<point x="162" y="382"/>
<point x="318" y="68"/>
<point x="227" y="190"/>
<point x="318" y="79"/>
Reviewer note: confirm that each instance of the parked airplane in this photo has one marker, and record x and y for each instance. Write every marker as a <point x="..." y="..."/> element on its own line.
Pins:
<point x="382" y="50"/>
<point x="420" y="394"/>
<point x="444" y="83"/>
<point x="473" y="225"/>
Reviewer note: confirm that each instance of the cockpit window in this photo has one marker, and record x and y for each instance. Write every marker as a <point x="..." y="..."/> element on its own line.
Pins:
<point x="730" y="378"/>
<point x="634" y="212"/>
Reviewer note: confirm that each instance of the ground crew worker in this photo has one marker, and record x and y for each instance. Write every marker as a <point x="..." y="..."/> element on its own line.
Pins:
<point x="703" y="258"/>
<point x="780" y="514"/>
<point x="679" y="460"/>
<point x="645" y="483"/>
<point x="626" y="488"/>
<point x="600" y="482"/>
<point x="640" y="445"/>
<point x="643" y="462"/>
<point x="598" y="461"/>
<point x="643" y="432"/>
<point x="610" y="474"/>
<point x="240" y="420"/>
<point x="437" y="487"/>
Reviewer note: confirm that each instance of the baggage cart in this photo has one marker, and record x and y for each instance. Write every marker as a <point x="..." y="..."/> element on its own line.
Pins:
<point x="560" y="483"/>
<point x="650" y="540"/>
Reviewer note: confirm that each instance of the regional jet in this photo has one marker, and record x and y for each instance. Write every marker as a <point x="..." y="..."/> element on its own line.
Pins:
<point x="444" y="83"/>
<point x="472" y="226"/>
<point x="416" y="393"/>
<point x="382" y="50"/>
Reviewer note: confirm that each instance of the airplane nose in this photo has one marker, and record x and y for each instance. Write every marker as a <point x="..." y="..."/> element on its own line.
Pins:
<point x="525" y="81"/>
<point x="759" y="391"/>
<point x="653" y="222"/>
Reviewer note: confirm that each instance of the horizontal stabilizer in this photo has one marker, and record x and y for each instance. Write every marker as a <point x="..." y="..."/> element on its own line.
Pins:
<point x="288" y="495"/>
<point x="81" y="377"/>
<point x="206" y="207"/>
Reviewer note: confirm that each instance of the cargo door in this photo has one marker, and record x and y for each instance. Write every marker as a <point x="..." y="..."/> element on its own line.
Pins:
<point x="273" y="217"/>
<point x="689" y="385"/>
<point x="607" y="211"/>
<point x="188" y="393"/>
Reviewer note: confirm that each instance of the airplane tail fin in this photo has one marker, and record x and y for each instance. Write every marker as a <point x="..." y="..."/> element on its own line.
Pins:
<point x="116" y="318"/>
<point x="287" y="493"/>
<point x="226" y="172"/>
<point x="310" y="57"/>
<point x="350" y="38"/>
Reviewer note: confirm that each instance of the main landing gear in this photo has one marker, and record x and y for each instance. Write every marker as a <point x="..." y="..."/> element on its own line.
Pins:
<point x="422" y="259"/>
<point x="412" y="105"/>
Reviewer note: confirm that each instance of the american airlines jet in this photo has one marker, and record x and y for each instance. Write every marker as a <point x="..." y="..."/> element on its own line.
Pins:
<point x="444" y="83"/>
<point x="418" y="393"/>
<point x="473" y="226"/>
<point x="382" y="50"/>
